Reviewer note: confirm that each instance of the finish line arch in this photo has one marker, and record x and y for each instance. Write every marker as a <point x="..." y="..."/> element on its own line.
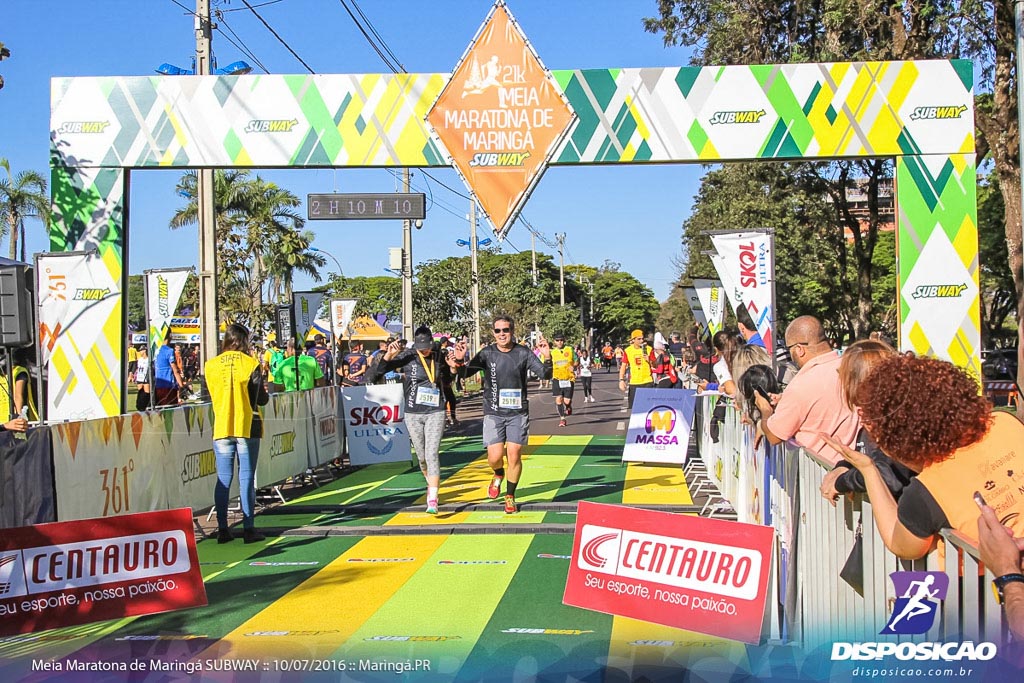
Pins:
<point x="920" y="112"/>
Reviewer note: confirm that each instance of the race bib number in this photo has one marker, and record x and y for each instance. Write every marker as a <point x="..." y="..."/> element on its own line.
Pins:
<point x="510" y="398"/>
<point x="428" y="396"/>
<point x="564" y="383"/>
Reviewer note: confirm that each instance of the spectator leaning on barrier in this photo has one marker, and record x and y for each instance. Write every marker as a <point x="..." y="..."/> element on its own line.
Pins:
<point x="1002" y="555"/>
<point x="813" y="402"/>
<point x="236" y="388"/>
<point x="857" y="362"/>
<point x="929" y="415"/>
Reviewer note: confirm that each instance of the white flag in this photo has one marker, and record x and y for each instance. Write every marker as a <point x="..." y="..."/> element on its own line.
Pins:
<point x="163" y="292"/>
<point x="698" y="313"/>
<point x="341" y="316"/>
<point x="749" y="263"/>
<point x="306" y="305"/>
<point x="711" y="293"/>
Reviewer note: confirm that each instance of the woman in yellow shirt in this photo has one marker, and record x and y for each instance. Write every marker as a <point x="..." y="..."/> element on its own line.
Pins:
<point x="236" y="388"/>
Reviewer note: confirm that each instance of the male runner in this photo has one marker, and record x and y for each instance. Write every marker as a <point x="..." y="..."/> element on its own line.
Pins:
<point x="563" y="377"/>
<point x="506" y="408"/>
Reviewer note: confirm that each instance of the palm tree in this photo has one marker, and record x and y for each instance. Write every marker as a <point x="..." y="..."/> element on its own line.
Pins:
<point x="21" y="197"/>
<point x="271" y="215"/>
<point x="291" y="254"/>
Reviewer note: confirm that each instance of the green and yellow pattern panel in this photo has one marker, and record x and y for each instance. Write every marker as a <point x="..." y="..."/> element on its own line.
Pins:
<point x="794" y="111"/>
<point x="88" y="215"/>
<point x="239" y="121"/>
<point x="939" y="304"/>
<point x="849" y="109"/>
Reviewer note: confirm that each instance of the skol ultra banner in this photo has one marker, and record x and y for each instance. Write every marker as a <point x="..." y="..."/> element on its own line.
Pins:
<point x="711" y="294"/>
<point x="341" y="316"/>
<point x="79" y="322"/>
<point x="375" y="424"/>
<point x="693" y="299"/>
<point x="305" y="305"/>
<point x="749" y="260"/>
<point x="659" y="426"/>
<point x="500" y="117"/>
<point x="698" y="574"/>
<point x="69" y="573"/>
<point x="163" y="292"/>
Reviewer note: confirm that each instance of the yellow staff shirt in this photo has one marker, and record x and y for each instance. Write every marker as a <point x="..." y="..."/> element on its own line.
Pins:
<point x="639" y="364"/>
<point x="227" y="377"/>
<point x="563" y="361"/>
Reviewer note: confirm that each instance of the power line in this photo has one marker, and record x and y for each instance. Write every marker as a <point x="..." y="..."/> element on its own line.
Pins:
<point x="369" y="40"/>
<point x="243" y="47"/>
<point x="279" y="38"/>
<point x="262" y="4"/>
<point x="378" y="36"/>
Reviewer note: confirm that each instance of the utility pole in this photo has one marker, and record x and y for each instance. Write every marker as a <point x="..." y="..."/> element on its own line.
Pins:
<point x="475" y="279"/>
<point x="533" y="252"/>
<point x="560" y="236"/>
<point x="406" y="267"/>
<point x="208" y="319"/>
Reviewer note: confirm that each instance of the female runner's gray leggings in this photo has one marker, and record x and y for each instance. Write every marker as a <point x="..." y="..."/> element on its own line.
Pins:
<point x="425" y="431"/>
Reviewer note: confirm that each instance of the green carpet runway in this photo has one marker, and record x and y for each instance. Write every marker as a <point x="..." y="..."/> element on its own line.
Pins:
<point x="472" y="593"/>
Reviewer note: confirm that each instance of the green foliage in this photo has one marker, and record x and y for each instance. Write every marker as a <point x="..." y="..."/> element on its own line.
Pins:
<point x="623" y="304"/>
<point x="378" y="294"/>
<point x="564" y="320"/>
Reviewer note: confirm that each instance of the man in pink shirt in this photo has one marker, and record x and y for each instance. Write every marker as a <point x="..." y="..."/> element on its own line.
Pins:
<point x="812" y="402"/>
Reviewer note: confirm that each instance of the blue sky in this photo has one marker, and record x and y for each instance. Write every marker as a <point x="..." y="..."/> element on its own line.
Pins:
<point x="631" y="214"/>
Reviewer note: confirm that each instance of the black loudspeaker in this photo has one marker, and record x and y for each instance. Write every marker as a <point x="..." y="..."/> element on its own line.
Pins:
<point x="15" y="307"/>
<point x="283" y="325"/>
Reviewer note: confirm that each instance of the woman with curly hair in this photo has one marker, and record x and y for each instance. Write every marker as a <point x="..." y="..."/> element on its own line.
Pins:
<point x="929" y="415"/>
<point x="857" y="362"/>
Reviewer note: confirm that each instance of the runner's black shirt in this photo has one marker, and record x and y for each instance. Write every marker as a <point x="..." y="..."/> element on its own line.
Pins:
<point x="506" y="370"/>
<point x="414" y="376"/>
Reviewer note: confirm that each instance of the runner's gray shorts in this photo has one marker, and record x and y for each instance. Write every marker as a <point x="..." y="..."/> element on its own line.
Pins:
<point x="513" y="428"/>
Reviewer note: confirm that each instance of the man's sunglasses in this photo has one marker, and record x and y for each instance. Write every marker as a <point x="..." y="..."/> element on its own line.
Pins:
<point x="502" y="330"/>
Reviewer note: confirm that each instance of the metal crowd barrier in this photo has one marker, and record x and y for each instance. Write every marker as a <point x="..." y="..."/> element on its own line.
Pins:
<point x="813" y="606"/>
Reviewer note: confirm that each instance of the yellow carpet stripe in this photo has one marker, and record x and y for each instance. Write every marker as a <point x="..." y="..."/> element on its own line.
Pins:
<point x="654" y="485"/>
<point x="635" y="643"/>
<point x="334" y="603"/>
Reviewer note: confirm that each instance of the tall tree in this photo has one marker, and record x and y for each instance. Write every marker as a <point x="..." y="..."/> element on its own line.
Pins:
<point x="22" y="196"/>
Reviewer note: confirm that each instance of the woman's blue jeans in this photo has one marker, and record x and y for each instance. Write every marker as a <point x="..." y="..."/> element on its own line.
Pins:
<point x="248" y="451"/>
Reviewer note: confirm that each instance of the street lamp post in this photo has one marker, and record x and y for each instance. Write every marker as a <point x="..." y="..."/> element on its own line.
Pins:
<point x="334" y="337"/>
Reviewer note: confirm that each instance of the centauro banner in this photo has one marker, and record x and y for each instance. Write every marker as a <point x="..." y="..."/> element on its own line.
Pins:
<point x="749" y="260"/>
<point x="711" y="293"/>
<point x="69" y="573"/>
<point x="79" y="321"/>
<point x="500" y="117"/>
<point x="163" y="292"/>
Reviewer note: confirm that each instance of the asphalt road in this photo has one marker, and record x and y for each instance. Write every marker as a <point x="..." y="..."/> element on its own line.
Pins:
<point x="606" y="416"/>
